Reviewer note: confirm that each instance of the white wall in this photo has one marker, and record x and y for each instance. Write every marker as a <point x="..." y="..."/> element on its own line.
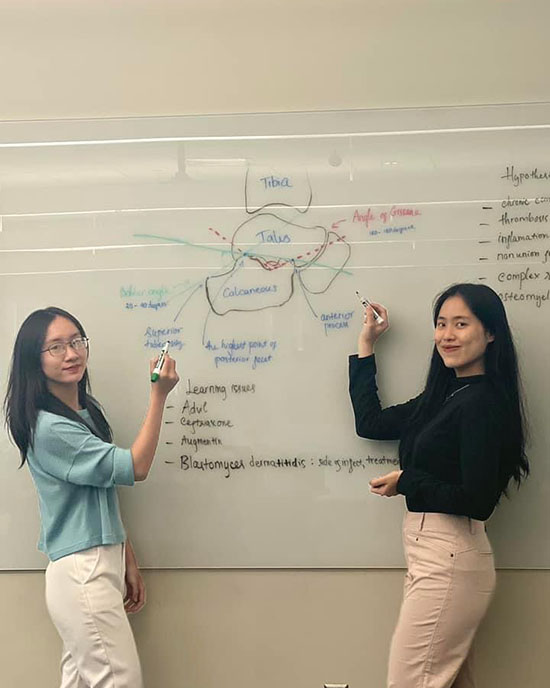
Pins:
<point x="99" y="58"/>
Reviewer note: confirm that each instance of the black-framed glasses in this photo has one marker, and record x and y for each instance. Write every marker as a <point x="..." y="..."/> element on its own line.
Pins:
<point x="59" y="348"/>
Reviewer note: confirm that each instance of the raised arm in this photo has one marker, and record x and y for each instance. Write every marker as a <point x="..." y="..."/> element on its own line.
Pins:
<point x="144" y="446"/>
<point x="68" y="450"/>
<point x="371" y="420"/>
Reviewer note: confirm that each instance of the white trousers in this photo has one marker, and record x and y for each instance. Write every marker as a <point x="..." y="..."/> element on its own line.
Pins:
<point x="84" y="596"/>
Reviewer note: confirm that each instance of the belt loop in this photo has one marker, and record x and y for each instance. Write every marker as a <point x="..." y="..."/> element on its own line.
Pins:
<point x="422" y="517"/>
<point x="471" y="525"/>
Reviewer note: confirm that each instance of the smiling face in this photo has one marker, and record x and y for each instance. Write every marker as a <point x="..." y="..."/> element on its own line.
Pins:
<point x="63" y="372"/>
<point x="460" y="338"/>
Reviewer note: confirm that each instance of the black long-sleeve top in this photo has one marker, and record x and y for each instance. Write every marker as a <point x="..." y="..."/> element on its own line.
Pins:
<point x="457" y="463"/>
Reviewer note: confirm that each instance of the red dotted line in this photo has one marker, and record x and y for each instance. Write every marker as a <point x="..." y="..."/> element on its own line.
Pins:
<point x="274" y="265"/>
<point x="218" y="234"/>
<point x="340" y="238"/>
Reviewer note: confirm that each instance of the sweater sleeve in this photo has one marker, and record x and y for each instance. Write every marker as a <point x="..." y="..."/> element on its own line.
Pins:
<point x="480" y="437"/>
<point x="371" y="420"/>
<point x="70" y="452"/>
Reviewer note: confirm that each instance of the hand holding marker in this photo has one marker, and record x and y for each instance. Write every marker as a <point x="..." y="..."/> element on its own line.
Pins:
<point x="366" y="303"/>
<point x="156" y="370"/>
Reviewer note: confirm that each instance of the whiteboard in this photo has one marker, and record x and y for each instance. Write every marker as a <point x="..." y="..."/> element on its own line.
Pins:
<point x="242" y="239"/>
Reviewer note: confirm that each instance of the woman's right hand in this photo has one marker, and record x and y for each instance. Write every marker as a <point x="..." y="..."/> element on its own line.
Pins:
<point x="168" y="377"/>
<point x="145" y="444"/>
<point x="371" y="330"/>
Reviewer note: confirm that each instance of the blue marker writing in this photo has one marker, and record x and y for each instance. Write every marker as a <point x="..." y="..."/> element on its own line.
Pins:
<point x="156" y="370"/>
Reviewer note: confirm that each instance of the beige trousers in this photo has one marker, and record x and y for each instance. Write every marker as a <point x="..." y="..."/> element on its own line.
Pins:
<point x="448" y="586"/>
<point x="84" y="596"/>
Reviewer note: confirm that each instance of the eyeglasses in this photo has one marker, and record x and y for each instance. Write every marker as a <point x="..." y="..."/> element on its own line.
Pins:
<point x="59" y="348"/>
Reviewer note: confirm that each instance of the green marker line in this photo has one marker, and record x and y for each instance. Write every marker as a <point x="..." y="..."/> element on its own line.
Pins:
<point x="244" y="253"/>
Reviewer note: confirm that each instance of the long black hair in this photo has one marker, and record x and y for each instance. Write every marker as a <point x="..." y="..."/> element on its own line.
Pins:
<point x="501" y="371"/>
<point x="28" y="392"/>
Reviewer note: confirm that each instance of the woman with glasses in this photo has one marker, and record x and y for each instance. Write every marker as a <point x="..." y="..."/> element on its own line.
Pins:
<point x="92" y="578"/>
<point x="461" y="442"/>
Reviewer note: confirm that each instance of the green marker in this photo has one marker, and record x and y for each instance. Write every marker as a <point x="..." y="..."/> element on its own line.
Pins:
<point x="156" y="370"/>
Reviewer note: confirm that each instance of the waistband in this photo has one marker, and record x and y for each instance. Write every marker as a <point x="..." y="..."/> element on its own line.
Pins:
<point x="425" y="520"/>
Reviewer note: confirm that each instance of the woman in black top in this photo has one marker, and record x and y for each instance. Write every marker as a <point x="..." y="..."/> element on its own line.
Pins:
<point x="461" y="441"/>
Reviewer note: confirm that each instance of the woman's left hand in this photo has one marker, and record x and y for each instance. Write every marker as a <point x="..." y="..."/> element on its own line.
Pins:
<point x="135" y="597"/>
<point x="386" y="485"/>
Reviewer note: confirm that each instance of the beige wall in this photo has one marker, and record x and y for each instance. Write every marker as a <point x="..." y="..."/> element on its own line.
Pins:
<point x="93" y="58"/>
<point x="96" y="58"/>
<point x="273" y="629"/>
